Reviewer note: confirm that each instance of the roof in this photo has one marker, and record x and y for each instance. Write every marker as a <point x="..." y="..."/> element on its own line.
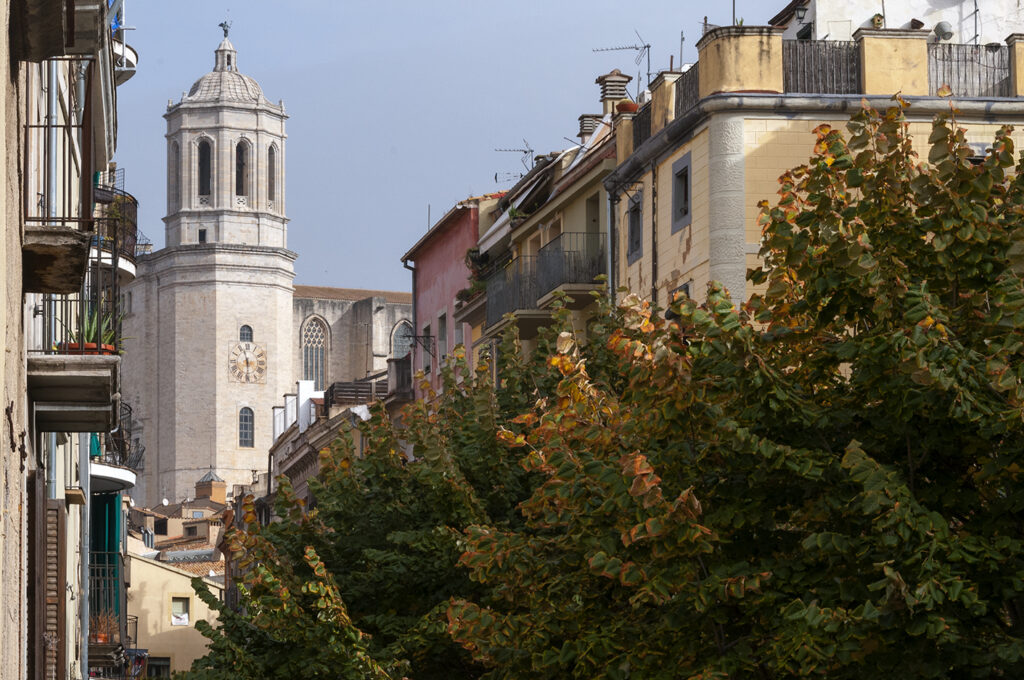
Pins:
<point x="788" y="11"/>
<point x="201" y="568"/>
<point x="328" y="293"/>
<point x="224" y="83"/>
<point x="174" y="509"/>
<point x="211" y="476"/>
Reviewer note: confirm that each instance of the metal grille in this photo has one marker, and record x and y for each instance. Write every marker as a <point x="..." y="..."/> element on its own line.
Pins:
<point x="571" y="258"/>
<point x="969" y="70"/>
<point x="687" y="90"/>
<point x="642" y="126"/>
<point x="511" y="288"/>
<point x="820" y="67"/>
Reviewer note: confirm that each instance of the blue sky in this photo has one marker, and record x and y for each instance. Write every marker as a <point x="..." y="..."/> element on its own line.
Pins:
<point x="393" y="105"/>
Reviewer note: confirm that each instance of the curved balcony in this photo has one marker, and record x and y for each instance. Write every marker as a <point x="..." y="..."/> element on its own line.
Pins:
<point x="116" y="238"/>
<point x="115" y="467"/>
<point x="125" y="61"/>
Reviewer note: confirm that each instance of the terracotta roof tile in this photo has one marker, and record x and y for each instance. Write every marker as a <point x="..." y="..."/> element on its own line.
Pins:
<point x="329" y="293"/>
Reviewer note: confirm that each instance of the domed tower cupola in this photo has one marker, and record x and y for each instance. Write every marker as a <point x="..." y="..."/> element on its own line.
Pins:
<point x="225" y="160"/>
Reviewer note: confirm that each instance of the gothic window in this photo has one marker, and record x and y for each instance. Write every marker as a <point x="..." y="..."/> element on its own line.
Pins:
<point x="245" y="334"/>
<point x="205" y="168"/>
<point x="246" y="428"/>
<point x="175" y="176"/>
<point x="271" y="174"/>
<point x="314" y="349"/>
<point x="401" y="340"/>
<point x="242" y="169"/>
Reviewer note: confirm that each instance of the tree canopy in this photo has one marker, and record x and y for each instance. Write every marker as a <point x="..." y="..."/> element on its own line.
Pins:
<point x="822" y="481"/>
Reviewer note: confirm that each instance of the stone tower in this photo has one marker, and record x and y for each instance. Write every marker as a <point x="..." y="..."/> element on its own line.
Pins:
<point x="210" y="320"/>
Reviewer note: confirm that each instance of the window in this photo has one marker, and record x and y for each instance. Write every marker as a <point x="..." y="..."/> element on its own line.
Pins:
<point x="426" y="354"/>
<point x="635" y="223"/>
<point x="197" y="514"/>
<point x="242" y="169"/>
<point x="401" y="340"/>
<point x="202" y="236"/>
<point x="442" y="337"/>
<point x="271" y="174"/>
<point x="245" y="333"/>
<point x="246" y="428"/>
<point x="458" y="334"/>
<point x="175" y="176"/>
<point x="158" y="667"/>
<point x="191" y="531"/>
<point x="314" y="348"/>
<point x="205" y="169"/>
<point x="179" y="611"/>
<point x="682" y="210"/>
<point x="160" y="527"/>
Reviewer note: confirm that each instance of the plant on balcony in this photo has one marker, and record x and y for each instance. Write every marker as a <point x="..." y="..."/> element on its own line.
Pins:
<point x="103" y="627"/>
<point x="477" y="265"/>
<point x="97" y="333"/>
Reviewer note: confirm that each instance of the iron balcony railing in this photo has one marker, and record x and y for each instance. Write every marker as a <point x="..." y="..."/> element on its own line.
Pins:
<point x="108" y="621"/>
<point x="117" y="230"/>
<point x="642" y="125"/>
<point x="571" y="257"/>
<point x="511" y="288"/>
<point x="820" y="67"/>
<point x="60" y="199"/>
<point x="687" y="90"/>
<point x="120" y="448"/>
<point x="969" y="70"/>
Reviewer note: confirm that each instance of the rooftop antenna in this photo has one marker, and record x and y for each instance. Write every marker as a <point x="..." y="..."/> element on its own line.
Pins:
<point x="506" y="177"/>
<point x="527" y="152"/>
<point x="643" y="49"/>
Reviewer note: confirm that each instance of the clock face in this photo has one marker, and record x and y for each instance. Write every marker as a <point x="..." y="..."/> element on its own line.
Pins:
<point x="248" y="362"/>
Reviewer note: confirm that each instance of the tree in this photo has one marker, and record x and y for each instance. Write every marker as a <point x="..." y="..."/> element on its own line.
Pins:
<point x="825" y="482"/>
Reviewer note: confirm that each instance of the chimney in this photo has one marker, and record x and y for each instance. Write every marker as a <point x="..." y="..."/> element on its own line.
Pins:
<point x="613" y="89"/>
<point x="588" y="123"/>
<point x="213" y="487"/>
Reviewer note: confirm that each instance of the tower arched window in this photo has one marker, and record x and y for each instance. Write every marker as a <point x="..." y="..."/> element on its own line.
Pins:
<point x="401" y="340"/>
<point x="245" y="333"/>
<point x="246" y="428"/>
<point x="175" y="176"/>
<point x="205" y="168"/>
<point x="314" y="352"/>
<point x="272" y="174"/>
<point x="242" y="169"/>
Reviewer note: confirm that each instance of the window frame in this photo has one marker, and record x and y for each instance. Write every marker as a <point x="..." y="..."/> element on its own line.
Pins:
<point x="246" y="428"/>
<point x="272" y="173"/>
<point x="682" y="193"/>
<point x="635" y="222"/>
<point x="314" y="358"/>
<point x="243" y="167"/>
<point x="209" y="170"/>
<point x="245" y="333"/>
<point x="187" y="609"/>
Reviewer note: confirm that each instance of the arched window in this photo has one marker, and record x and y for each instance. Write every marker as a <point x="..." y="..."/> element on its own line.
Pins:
<point x="242" y="169"/>
<point x="272" y="174"/>
<point x="245" y="334"/>
<point x="314" y="349"/>
<point x="246" y="428"/>
<point x="175" y="176"/>
<point x="205" y="168"/>
<point x="401" y="340"/>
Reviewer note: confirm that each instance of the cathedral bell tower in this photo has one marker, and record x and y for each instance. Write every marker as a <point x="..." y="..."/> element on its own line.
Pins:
<point x="210" y="327"/>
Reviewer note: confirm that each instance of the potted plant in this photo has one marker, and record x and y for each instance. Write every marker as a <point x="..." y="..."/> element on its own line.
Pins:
<point x="102" y="627"/>
<point x="96" y="335"/>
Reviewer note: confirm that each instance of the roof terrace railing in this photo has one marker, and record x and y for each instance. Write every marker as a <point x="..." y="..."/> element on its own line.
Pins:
<point x="969" y="70"/>
<point x="820" y="67"/>
<point x="687" y="90"/>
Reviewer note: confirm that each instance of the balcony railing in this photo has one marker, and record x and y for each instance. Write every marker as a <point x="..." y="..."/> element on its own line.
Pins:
<point x="571" y="257"/>
<point x="820" y="67"/>
<point x="117" y="229"/>
<point x="356" y="391"/>
<point x="642" y="125"/>
<point x="513" y="287"/>
<point x="687" y="90"/>
<point x="108" y="621"/>
<point x="121" y="449"/>
<point x="969" y="70"/>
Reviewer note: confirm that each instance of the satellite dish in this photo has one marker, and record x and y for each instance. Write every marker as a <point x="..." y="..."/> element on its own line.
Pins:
<point x="943" y="30"/>
<point x="164" y="501"/>
<point x="212" y="573"/>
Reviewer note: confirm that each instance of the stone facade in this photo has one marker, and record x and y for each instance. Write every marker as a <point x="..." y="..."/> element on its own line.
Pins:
<point x="215" y="325"/>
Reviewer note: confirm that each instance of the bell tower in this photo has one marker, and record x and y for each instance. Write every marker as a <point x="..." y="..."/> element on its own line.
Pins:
<point x="210" y="330"/>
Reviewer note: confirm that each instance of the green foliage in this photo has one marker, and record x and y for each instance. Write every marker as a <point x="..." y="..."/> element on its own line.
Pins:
<point x="823" y="482"/>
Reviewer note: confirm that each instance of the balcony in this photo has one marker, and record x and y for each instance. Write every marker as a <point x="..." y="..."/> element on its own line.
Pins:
<point x="969" y="70"/>
<point x="570" y="263"/>
<point x="512" y="289"/>
<point x="821" y="67"/>
<point x="116" y="224"/>
<point x="356" y="392"/>
<point x="642" y="125"/>
<point x="687" y="90"/>
<point x="108" y="620"/>
<point x="400" y="387"/>
<point x="113" y="468"/>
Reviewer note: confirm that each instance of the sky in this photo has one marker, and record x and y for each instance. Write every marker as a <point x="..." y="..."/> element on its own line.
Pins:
<point x="395" y="107"/>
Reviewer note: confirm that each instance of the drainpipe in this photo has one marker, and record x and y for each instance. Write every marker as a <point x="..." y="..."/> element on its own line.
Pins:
<point x="86" y="483"/>
<point x="654" y="233"/>
<point x="415" y="321"/>
<point x="613" y="201"/>
<point x="51" y="212"/>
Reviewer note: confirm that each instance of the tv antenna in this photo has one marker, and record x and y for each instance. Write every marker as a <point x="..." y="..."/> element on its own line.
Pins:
<point x="506" y="177"/>
<point x="527" y="153"/>
<point x="643" y="49"/>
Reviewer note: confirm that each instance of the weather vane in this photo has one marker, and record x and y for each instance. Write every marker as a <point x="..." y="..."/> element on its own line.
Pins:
<point x="226" y="25"/>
